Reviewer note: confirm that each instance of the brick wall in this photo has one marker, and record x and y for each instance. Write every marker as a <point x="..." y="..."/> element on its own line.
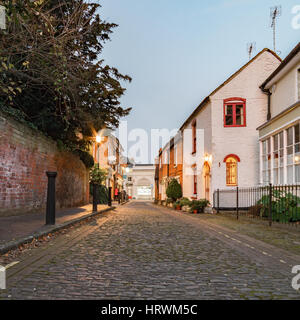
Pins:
<point x="25" y="156"/>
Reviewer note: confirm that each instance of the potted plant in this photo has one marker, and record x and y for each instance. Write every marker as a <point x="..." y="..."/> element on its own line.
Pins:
<point x="174" y="190"/>
<point x="197" y="206"/>
<point x="177" y="205"/>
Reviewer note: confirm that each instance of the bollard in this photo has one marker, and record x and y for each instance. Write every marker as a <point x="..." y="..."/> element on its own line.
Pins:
<point x="109" y="197"/>
<point x="95" y="209"/>
<point x="50" y="211"/>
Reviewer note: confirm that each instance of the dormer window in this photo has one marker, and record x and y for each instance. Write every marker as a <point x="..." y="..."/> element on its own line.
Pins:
<point x="235" y="112"/>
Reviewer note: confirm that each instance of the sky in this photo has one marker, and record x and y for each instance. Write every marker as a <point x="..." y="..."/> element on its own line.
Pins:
<point x="178" y="51"/>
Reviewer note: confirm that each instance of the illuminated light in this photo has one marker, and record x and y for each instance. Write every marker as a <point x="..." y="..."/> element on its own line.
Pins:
<point x="98" y="139"/>
<point x="297" y="158"/>
<point x="127" y="170"/>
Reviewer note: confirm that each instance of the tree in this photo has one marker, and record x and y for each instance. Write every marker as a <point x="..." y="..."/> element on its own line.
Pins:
<point x="174" y="190"/>
<point x="51" y="71"/>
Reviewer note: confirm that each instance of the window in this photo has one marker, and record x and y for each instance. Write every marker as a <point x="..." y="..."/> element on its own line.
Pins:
<point x="175" y="156"/>
<point x="266" y="161"/>
<point x="290" y="155"/>
<point x="194" y="137"/>
<point x="231" y="170"/>
<point x="278" y="156"/>
<point x="235" y="112"/>
<point x="298" y="84"/>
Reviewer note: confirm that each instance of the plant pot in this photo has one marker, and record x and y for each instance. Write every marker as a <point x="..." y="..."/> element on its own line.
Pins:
<point x="178" y="208"/>
<point x="195" y="211"/>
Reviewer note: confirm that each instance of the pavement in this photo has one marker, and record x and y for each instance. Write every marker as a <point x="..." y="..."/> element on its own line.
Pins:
<point x="144" y="251"/>
<point x="14" y="229"/>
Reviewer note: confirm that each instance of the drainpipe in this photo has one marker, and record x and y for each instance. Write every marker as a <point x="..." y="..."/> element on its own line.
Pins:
<point x="267" y="91"/>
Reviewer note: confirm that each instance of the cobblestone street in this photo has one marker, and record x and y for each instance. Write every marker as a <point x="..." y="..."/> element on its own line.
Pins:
<point x="142" y="251"/>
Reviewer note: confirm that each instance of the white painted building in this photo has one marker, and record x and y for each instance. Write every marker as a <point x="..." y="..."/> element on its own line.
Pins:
<point x="221" y="149"/>
<point x="280" y="135"/>
<point x="140" y="182"/>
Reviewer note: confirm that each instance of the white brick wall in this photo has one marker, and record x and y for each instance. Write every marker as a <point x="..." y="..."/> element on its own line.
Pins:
<point x="243" y="141"/>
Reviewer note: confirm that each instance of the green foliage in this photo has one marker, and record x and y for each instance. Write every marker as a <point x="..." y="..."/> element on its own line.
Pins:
<point x="60" y="85"/>
<point x="185" y="202"/>
<point x="174" y="190"/>
<point x="285" y="207"/>
<point x="97" y="175"/>
<point x="176" y="204"/>
<point x="102" y="193"/>
<point x="85" y="157"/>
<point x="199" y="205"/>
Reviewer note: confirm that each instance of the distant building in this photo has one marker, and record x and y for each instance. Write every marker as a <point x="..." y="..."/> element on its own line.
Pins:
<point x="140" y="182"/>
<point x="107" y="152"/>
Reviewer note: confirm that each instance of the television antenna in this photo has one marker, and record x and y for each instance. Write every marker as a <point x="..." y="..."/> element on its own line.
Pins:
<point x="275" y="13"/>
<point x="251" y="47"/>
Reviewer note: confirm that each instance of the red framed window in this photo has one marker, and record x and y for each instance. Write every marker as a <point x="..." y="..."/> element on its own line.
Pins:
<point x="235" y="112"/>
<point x="194" y="137"/>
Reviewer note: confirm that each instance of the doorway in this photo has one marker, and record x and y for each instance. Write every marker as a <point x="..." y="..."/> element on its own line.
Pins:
<point x="206" y="172"/>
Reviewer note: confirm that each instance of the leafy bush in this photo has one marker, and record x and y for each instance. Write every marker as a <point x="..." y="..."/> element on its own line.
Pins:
<point x="97" y="175"/>
<point x="176" y="204"/>
<point x="174" y="190"/>
<point x="284" y="207"/>
<point x="101" y="193"/>
<point x="199" y="205"/>
<point x="185" y="202"/>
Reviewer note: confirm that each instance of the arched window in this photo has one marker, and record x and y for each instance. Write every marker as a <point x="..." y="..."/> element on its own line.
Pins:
<point x="231" y="170"/>
<point x="235" y="112"/>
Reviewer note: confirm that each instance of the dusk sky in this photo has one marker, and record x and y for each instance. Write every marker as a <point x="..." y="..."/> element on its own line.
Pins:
<point x="178" y="51"/>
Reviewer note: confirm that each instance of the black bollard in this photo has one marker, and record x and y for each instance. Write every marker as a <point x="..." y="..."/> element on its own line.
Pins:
<point x="109" y="197"/>
<point x="50" y="211"/>
<point x="95" y="209"/>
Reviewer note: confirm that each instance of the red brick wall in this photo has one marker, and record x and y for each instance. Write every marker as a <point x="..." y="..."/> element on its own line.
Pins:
<point x="25" y="156"/>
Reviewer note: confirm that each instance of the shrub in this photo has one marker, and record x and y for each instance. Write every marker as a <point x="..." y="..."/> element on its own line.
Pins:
<point x="102" y="193"/>
<point x="174" y="190"/>
<point x="97" y="175"/>
<point x="284" y="206"/>
<point x="185" y="202"/>
<point x="199" y="205"/>
<point x="176" y="204"/>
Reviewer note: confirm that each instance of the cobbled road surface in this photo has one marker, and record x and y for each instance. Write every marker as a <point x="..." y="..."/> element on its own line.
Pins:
<point x="143" y="251"/>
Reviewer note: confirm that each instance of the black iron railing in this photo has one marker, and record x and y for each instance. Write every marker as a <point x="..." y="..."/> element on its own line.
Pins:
<point x="273" y="203"/>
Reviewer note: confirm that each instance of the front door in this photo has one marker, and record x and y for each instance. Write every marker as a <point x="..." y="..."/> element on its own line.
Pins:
<point x="207" y="181"/>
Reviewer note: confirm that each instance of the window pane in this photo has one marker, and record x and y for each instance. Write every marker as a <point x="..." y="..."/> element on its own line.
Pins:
<point x="290" y="155"/>
<point x="297" y="134"/>
<point x="297" y="173"/>
<point x="276" y="142"/>
<point x="276" y="176"/>
<point x="281" y="139"/>
<point x="290" y="136"/>
<point x="229" y="110"/>
<point x="229" y="120"/>
<point x="239" y="109"/>
<point x="290" y="174"/>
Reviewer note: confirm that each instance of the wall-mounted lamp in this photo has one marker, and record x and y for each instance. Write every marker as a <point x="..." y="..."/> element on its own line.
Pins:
<point x="208" y="158"/>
